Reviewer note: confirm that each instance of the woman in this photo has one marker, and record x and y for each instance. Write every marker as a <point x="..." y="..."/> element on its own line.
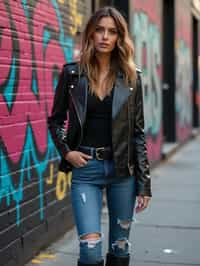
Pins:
<point x="104" y="145"/>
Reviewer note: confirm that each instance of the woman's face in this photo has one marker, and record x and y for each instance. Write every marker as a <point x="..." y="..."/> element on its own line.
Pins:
<point x="105" y="35"/>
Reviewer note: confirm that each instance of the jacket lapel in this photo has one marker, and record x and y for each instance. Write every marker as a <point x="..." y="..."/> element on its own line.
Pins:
<point x="79" y="94"/>
<point x="121" y="94"/>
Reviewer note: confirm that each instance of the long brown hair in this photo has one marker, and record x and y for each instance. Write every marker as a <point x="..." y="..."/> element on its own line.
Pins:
<point x="121" y="56"/>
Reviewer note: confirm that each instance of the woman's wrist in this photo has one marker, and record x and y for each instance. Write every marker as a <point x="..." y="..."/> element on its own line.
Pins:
<point x="67" y="155"/>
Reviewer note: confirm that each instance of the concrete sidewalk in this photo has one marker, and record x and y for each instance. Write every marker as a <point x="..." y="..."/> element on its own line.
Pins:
<point x="168" y="232"/>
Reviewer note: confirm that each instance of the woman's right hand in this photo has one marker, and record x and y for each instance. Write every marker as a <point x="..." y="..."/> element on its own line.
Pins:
<point x="77" y="158"/>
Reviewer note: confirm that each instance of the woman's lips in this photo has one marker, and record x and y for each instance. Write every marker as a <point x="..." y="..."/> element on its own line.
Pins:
<point x="104" y="44"/>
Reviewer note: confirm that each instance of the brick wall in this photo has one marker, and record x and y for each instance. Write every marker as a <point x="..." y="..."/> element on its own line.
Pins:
<point x="146" y="30"/>
<point x="36" y="38"/>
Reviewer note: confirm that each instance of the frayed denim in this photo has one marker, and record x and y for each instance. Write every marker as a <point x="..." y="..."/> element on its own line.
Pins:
<point x="87" y="187"/>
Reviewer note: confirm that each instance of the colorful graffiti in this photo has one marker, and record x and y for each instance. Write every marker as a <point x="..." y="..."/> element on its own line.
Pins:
<point x="183" y="89"/>
<point x="34" y="44"/>
<point x="148" y="57"/>
<point x="183" y="70"/>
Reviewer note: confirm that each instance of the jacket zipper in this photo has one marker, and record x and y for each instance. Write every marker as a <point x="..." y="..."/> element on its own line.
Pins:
<point x="130" y="168"/>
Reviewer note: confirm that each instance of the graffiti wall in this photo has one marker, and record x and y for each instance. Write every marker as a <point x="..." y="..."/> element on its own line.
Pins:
<point x="146" y="30"/>
<point x="183" y="51"/>
<point x="34" y="44"/>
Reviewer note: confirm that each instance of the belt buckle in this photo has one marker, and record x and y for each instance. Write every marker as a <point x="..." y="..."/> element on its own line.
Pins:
<point x="98" y="150"/>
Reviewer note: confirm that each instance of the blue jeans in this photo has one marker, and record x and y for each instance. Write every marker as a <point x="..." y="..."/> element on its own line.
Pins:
<point x="87" y="187"/>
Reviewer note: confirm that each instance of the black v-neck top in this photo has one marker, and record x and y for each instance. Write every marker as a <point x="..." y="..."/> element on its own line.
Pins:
<point x="97" y="130"/>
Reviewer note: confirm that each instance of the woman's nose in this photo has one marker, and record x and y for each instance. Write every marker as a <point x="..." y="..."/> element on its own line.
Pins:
<point x="105" y="34"/>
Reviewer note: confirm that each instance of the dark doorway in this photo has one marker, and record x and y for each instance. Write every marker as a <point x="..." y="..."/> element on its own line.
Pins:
<point x="93" y="6"/>
<point x="123" y="7"/>
<point x="195" y="84"/>
<point x="168" y="102"/>
<point x="105" y="3"/>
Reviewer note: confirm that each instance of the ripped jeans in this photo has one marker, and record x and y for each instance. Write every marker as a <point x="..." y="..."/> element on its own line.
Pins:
<point x="87" y="187"/>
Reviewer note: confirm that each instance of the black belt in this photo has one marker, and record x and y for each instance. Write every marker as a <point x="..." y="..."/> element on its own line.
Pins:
<point x="102" y="153"/>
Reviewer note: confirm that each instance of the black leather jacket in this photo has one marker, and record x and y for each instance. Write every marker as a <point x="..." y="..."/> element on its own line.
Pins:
<point x="128" y="140"/>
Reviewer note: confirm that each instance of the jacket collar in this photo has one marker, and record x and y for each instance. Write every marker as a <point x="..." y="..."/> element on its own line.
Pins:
<point x="120" y="95"/>
<point x="79" y="93"/>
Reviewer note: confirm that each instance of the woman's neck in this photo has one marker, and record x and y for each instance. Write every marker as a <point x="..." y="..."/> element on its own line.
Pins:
<point x="104" y="62"/>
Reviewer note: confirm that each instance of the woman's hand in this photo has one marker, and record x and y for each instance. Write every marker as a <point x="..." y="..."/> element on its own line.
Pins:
<point x="142" y="203"/>
<point x="77" y="158"/>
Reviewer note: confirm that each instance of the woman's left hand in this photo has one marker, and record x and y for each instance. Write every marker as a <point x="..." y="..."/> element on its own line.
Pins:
<point x="142" y="203"/>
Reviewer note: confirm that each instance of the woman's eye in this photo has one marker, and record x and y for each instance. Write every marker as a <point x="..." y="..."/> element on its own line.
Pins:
<point x="99" y="29"/>
<point x="110" y="31"/>
<point x="113" y="31"/>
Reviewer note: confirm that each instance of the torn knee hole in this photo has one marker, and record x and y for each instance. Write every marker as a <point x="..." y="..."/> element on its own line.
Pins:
<point x="124" y="224"/>
<point x="91" y="240"/>
<point x="121" y="244"/>
<point x="93" y="236"/>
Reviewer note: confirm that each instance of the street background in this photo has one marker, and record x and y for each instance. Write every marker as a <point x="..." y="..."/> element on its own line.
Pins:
<point x="36" y="38"/>
<point x="168" y="232"/>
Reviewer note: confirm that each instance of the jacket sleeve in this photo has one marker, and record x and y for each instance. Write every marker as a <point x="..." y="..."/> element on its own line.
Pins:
<point x="142" y="170"/>
<point x="56" y="121"/>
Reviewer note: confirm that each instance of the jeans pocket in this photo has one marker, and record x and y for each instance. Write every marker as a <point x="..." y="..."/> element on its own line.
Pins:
<point x="82" y="167"/>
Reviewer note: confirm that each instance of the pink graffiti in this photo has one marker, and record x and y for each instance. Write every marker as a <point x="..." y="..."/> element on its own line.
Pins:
<point x="23" y="41"/>
<point x="154" y="14"/>
<point x="154" y="146"/>
<point x="182" y="132"/>
<point x="150" y="17"/>
<point x="183" y="66"/>
<point x="183" y="21"/>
